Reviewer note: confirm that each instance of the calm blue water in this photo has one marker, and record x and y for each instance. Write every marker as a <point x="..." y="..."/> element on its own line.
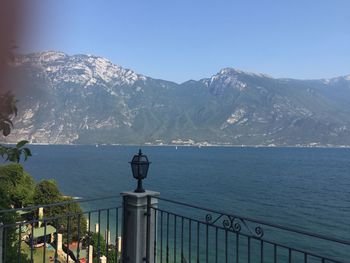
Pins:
<point x="299" y="187"/>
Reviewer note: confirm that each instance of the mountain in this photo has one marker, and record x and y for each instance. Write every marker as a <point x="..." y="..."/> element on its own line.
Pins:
<point x="87" y="99"/>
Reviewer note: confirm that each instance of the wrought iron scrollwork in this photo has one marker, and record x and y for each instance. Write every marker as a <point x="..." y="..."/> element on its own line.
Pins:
<point x="234" y="224"/>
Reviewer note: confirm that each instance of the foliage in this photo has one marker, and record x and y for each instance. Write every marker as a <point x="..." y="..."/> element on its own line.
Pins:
<point x="12" y="251"/>
<point x="77" y="222"/>
<point x="91" y="238"/>
<point x="16" y="190"/>
<point x="8" y="110"/>
<point x="94" y="243"/>
<point x="13" y="154"/>
<point x="112" y="255"/>
<point x="47" y="192"/>
<point x="12" y="256"/>
<point x="17" y="187"/>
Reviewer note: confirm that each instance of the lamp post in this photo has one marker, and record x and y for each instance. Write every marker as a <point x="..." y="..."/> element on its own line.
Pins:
<point x="139" y="167"/>
<point x="139" y="220"/>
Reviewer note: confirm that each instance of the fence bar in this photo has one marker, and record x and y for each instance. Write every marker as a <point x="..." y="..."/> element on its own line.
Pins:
<point x="226" y="255"/>
<point x="197" y="242"/>
<point x="249" y="249"/>
<point x="78" y="241"/>
<point x="182" y="239"/>
<point x="68" y="230"/>
<point x="19" y="242"/>
<point x="167" y="237"/>
<point x="175" y="238"/>
<point x="148" y="229"/>
<point x="155" y="239"/>
<point x="161" y="237"/>
<point x="98" y="235"/>
<point x="4" y="244"/>
<point x="189" y="240"/>
<point x="206" y="243"/>
<point x="289" y="255"/>
<point x="107" y="236"/>
<point x="116" y="235"/>
<point x="216" y="245"/>
<point x="89" y="239"/>
<point x="237" y="248"/>
<point x="44" y="253"/>
<point x="32" y="244"/>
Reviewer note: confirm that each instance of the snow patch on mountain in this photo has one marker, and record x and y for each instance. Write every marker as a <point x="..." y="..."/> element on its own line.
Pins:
<point x="81" y="69"/>
<point x="50" y="56"/>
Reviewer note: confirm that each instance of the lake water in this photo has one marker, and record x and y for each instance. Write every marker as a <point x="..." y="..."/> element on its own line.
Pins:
<point x="306" y="188"/>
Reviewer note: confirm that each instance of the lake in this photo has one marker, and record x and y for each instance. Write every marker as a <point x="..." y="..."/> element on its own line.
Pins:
<point x="306" y="188"/>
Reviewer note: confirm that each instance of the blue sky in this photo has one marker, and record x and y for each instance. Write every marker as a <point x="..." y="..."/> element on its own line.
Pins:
<point x="179" y="40"/>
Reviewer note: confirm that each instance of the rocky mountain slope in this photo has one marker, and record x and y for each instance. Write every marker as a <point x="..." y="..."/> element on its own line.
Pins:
<point x="87" y="99"/>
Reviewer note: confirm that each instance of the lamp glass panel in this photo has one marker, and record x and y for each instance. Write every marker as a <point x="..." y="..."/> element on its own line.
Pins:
<point x="139" y="166"/>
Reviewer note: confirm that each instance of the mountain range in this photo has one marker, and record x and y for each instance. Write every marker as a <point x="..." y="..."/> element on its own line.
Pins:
<point x="86" y="99"/>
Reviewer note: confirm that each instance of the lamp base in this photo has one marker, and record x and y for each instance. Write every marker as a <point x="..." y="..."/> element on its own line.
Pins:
<point x="139" y="188"/>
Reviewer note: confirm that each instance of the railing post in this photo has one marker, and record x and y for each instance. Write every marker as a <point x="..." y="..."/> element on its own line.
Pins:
<point x="1" y="242"/>
<point x="139" y="226"/>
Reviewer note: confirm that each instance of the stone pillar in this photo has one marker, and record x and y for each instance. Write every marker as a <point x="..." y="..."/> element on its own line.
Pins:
<point x="1" y="242"/>
<point x="97" y="228"/>
<point x="103" y="259"/>
<point x="90" y="256"/>
<point x="136" y="247"/>
<point x="59" y="242"/>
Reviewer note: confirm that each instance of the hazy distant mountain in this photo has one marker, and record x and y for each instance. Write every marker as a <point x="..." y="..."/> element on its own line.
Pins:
<point x="87" y="99"/>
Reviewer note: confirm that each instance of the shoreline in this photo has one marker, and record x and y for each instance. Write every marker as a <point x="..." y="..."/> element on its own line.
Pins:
<point x="185" y="145"/>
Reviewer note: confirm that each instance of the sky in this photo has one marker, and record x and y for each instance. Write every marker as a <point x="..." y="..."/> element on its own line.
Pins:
<point x="179" y="40"/>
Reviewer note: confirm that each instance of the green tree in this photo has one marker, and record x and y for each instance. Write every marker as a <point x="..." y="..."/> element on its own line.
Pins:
<point x="47" y="192"/>
<point x="94" y="237"/>
<point x="91" y="238"/>
<point x="17" y="187"/>
<point x="16" y="190"/>
<point x="77" y="222"/>
<point x="112" y="255"/>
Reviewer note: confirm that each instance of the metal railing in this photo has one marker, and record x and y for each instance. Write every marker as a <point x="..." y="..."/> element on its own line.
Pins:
<point x="184" y="233"/>
<point x="64" y="234"/>
<point x="189" y="233"/>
